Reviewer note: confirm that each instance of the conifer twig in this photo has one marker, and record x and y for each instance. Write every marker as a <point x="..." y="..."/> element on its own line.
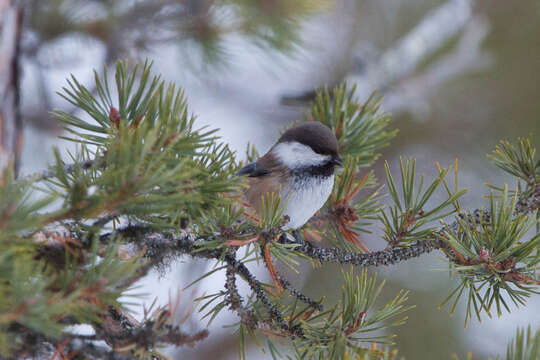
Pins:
<point x="162" y="245"/>
<point x="120" y="329"/>
<point x="259" y="292"/>
<point x="296" y="293"/>
<point x="531" y="202"/>
<point x="235" y="301"/>
<point x="376" y="258"/>
<point x="68" y="169"/>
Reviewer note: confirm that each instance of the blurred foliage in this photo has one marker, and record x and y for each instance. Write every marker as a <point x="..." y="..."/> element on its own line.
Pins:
<point x="526" y="345"/>
<point x="37" y="294"/>
<point x="119" y="24"/>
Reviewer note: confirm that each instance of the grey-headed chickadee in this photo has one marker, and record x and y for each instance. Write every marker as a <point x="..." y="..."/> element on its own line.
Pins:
<point x="300" y="166"/>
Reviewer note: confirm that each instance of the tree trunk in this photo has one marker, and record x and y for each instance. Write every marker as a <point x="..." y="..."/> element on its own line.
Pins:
<point x="10" y="121"/>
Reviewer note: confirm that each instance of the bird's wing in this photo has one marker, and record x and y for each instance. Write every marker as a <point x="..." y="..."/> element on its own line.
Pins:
<point x="253" y="170"/>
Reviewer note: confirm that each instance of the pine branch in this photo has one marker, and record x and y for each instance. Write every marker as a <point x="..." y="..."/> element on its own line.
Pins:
<point x="121" y="330"/>
<point x="297" y="294"/>
<point x="235" y="301"/>
<point x="259" y="292"/>
<point x="43" y="347"/>
<point x="388" y="256"/>
<point x="68" y="169"/>
<point x="162" y="247"/>
<point x="376" y="258"/>
<point x="530" y="203"/>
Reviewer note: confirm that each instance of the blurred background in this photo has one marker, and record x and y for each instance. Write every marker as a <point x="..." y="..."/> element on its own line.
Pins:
<point x="457" y="76"/>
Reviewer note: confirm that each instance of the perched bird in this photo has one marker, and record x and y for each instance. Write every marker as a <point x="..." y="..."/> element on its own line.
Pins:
<point x="300" y="167"/>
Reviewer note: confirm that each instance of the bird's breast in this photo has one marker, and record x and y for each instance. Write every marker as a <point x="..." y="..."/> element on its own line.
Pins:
<point x="304" y="196"/>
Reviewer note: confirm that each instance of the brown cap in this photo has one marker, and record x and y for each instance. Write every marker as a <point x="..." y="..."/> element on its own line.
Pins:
<point x="315" y="135"/>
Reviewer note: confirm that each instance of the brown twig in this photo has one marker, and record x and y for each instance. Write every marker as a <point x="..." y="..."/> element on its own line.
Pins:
<point x="11" y="19"/>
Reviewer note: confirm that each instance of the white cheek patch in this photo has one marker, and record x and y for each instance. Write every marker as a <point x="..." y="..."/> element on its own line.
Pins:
<point x="293" y="155"/>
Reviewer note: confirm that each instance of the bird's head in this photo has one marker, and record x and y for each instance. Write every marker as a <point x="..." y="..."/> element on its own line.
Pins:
<point x="309" y="145"/>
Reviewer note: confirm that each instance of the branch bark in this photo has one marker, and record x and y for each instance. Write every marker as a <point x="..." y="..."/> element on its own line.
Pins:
<point x="11" y="16"/>
<point x="392" y="73"/>
<point x="398" y="62"/>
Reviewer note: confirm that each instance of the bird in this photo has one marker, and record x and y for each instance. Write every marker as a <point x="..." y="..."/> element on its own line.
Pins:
<point x="300" y="167"/>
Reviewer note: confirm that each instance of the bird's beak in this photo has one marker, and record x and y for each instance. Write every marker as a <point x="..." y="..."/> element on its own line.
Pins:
<point x="337" y="160"/>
